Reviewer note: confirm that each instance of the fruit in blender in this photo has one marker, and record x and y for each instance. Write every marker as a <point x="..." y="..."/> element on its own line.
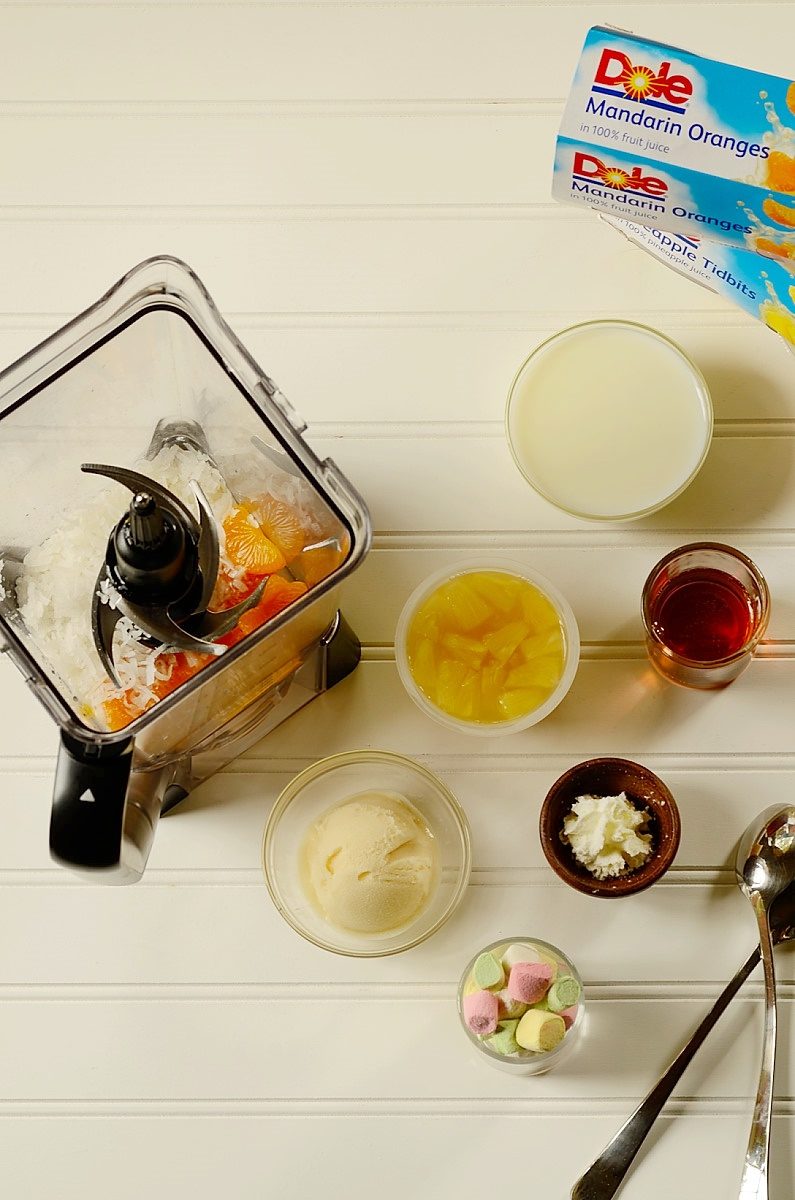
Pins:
<point x="486" y="646"/>
<point x="258" y="538"/>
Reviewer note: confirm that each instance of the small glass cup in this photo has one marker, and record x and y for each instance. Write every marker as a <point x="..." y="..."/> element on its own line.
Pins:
<point x="528" y="1062"/>
<point x="731" y="619"/>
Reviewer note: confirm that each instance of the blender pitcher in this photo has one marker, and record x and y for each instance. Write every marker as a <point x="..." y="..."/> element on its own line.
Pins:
<point x="141" y="449"/>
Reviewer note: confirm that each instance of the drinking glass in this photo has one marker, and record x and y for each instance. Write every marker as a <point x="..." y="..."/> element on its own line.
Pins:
<point x="705" y="609"/>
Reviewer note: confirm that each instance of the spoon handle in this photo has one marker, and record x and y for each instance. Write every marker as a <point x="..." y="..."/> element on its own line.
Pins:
<point x="604" y="1177"/>
<point x="754" y="1181"/>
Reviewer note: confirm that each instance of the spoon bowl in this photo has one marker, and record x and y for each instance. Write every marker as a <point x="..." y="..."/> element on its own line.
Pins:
<point x="765" y="868"/>
<point x="765" y="863"/>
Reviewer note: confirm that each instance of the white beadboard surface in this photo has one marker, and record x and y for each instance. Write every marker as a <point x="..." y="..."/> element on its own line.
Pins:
<point x="364" y="189"/>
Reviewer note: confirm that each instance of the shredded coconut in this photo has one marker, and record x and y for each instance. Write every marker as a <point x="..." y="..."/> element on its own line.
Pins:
<point x="58" y="578"/>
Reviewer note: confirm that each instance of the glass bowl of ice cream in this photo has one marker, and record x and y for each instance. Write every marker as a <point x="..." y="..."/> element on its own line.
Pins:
<point x="520" y="1004"/>
<point x="487" y="648"/>
<point x="366" y="853"/>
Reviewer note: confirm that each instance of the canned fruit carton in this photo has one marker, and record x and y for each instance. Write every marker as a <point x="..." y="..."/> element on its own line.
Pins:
<point x="675" y="141"/>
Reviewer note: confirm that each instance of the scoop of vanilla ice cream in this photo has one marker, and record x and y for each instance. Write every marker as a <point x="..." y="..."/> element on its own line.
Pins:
<point x="370" y="863"/>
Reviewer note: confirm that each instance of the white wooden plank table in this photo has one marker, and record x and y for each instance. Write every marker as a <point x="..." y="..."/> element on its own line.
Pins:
<point x="364" y="188"/>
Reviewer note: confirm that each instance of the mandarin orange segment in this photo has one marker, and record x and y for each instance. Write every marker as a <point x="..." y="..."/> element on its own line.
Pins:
<point x="782" y="214"/>
<point x="247" y="546"/>
<point x="780" y="172"/>
<point x="183" y="668"/>
<point x="118" y="712"/>
<point x="282" y="525"/>
<point x="773" y="250"/>
<point x="277" y="595"/>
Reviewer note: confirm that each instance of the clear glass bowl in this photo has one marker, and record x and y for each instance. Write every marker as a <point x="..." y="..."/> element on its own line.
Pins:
<point x="615" y="367"/>
<point x="571" y="647"/>
<point x="527" y="1062"/>
<point x="329" y="782"/>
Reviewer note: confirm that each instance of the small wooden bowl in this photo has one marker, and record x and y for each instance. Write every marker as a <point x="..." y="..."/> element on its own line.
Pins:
<point x="610" y="777"/>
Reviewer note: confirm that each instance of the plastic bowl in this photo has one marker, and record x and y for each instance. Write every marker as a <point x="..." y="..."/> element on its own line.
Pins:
<point x="528" y="1063"/>
<point x="330" y="781"/>
<point x="571" y="647"/>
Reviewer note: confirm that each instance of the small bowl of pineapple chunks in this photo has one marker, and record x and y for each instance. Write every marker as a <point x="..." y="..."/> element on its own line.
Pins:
<point x="488" y="648"/>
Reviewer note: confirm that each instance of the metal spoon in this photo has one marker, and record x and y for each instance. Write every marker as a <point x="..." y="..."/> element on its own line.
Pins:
<point x="765" y="866"/>
<point x="606" y="1174"/>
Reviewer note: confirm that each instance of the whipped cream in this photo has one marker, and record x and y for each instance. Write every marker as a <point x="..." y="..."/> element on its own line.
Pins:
<point x="606" y="834"/>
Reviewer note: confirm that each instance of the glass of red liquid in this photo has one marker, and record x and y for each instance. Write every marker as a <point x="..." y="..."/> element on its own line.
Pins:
<point x="705" y="610"/>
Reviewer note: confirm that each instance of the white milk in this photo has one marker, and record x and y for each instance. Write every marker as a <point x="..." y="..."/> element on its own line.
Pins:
<point x="609" y="420"/>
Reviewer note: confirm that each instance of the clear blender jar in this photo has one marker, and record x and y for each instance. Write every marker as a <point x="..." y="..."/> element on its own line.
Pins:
<point x="152" y="370"/>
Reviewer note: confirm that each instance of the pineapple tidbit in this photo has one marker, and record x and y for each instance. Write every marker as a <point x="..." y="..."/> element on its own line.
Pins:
<point x="487" y="647"/>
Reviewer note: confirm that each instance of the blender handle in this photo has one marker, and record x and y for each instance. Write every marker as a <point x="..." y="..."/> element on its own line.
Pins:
<point x="89" y="800"/>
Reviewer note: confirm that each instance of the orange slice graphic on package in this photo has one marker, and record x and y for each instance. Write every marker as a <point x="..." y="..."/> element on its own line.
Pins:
<point x="784" y="253"/>
<point x="780" y="172"/>
<point x="782" y="214"/>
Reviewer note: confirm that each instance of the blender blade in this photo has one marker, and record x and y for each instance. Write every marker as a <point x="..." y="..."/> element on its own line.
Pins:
<point x="160" y="572"/>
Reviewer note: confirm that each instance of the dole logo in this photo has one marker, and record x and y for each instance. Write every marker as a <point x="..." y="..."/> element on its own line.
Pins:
<point x="616" y="74"/>
<point x="588" y="166"/>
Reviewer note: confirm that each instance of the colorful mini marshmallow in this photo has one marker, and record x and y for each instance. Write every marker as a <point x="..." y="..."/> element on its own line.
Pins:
<point x="509" y="1007"/>
<point x="569" y="1016"/>
<point x="480" y="1012"/>
<point x="504" y="1040"/>
<point x="519" y="952"/>
<point x="529" y="982"/>
<point x="564" y="993"/>
<point x="540" y="1031"/>
<point x="528" y="1014"/>
<point x="487" y="971"/>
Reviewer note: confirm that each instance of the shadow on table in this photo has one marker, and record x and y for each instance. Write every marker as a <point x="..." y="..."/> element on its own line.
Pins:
<point x="741" y="484"/>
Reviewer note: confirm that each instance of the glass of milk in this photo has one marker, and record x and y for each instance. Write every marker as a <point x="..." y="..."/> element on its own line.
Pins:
<point x="609" y="420"/>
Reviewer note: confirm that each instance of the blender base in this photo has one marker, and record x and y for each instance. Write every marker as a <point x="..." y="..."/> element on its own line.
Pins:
<point x="336" y="656"/>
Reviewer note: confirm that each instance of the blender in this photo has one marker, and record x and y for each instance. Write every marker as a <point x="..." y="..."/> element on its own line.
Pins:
<point x="107" y="563"/>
